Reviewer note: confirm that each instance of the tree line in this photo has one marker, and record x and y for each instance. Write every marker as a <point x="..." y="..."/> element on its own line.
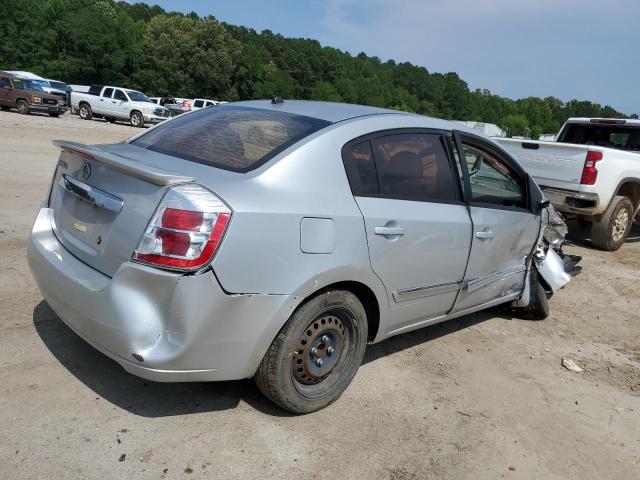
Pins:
<point x="169" y="53"/>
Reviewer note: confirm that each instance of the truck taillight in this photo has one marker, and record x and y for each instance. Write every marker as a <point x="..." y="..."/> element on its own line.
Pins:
<point x="185" y="231"/>
<point x="590" y="172"/>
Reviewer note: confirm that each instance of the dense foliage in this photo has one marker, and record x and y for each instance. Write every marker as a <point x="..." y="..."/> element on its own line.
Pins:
<point x="169" y="53"/>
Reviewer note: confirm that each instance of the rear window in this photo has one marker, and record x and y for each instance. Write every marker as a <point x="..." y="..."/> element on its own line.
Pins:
<point x="233" y="138"/>
<point x="611" y="136"/>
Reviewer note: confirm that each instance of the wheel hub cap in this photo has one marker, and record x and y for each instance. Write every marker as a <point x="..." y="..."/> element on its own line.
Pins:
<point x="620" y="224"/>
<point x="319" y="350"/>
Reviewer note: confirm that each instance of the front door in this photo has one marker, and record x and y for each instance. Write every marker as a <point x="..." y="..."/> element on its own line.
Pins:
<point x="120" y="104"/>
<point x="418" y="229"/>
<point x="504" y="226"/>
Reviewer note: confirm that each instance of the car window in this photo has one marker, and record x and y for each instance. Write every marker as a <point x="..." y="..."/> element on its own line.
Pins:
<point x="361" y="169"/>
<point x="107" y="92"/>
<point x="231" y="137"/>
<point x="5" y="83"/>
<point x="198" y="103"/>
<point x="492" y="180"/>
<point x="415" y="166"/>
<point x="209" y="104"/>
<point x="119" y="95"/>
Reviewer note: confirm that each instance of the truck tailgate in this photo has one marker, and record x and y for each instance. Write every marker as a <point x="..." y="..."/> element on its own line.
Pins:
<point x="557" y="165"/>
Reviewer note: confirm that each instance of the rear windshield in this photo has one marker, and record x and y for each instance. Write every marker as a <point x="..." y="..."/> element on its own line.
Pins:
<point x="610" y="136"/>
<point x="230" y="137"/>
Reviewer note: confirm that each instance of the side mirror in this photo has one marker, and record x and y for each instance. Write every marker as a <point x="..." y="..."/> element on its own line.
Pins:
<point x="542" y="204"/>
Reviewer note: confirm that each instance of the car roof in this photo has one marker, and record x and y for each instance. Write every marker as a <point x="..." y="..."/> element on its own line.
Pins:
<point x="329" y="111"/>
<point x="25" y="75"/>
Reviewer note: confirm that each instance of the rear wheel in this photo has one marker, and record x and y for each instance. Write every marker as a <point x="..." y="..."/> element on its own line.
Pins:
<point x="611" y="231"/>
<point x="23" y="107"/>
<point x="538" y="308"/>
<point x="317" y="353"/>
<point x="136" y="119"/>
<point x="85" y="112"/>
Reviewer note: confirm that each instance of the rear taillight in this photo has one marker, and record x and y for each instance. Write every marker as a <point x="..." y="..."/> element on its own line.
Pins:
<point x="185" y="230"/>
<point x="590" y="172"/>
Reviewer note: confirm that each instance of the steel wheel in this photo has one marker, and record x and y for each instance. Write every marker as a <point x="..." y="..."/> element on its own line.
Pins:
<point x="23" y="107"/>
<point x="620" y="224"/>
<point x="136" y="119"/>
<point x="85" y="112"/>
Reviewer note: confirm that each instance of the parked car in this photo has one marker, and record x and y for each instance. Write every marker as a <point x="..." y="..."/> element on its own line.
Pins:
<point x="592" y="173"/>
<point x="54" y="87"/>
<point x="175" y="105"/>
<point x="275" y="241"/>
<point x="198" y="103"/>
<point x="115" y="103"/>
<point x="27" y="96"/>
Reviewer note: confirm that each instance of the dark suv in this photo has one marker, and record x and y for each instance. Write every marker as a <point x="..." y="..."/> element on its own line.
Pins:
<point x="26" y="96"/>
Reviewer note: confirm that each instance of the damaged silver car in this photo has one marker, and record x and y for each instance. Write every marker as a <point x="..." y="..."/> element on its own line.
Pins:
<point x="274" y="240"/>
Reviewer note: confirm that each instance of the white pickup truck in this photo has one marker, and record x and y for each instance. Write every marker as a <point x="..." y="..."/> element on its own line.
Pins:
<point x="114" y="103"/>
<point x="591" y="172"/>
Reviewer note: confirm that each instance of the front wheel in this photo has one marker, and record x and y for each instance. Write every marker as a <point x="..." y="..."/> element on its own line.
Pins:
<point x="23" y="107"/>
<point x="136" y="119"/>
<point x="611" y="231"/>
<point x="538" y="308"/>
<point x="317" y="353"/>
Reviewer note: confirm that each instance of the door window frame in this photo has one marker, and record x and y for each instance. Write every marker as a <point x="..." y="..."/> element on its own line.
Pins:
<point x="475" y="141"/>
<point x="446" y="137"/>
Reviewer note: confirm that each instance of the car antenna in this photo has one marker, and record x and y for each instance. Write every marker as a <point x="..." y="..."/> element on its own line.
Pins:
<point x="276" y="99"/>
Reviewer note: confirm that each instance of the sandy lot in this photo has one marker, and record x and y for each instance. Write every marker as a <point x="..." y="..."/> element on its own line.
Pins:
<point x="481" y="397"/>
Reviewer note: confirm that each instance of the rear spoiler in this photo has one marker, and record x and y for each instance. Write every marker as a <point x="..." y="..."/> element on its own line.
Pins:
<point x="150" y="174"/>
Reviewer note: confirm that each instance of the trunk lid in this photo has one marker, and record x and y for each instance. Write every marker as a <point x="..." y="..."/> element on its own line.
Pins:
<point x="103" y="201"/>
<point x="551" y="164"/>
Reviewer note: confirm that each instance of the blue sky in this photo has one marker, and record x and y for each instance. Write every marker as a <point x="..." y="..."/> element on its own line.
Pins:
<point x="585" y="49"/>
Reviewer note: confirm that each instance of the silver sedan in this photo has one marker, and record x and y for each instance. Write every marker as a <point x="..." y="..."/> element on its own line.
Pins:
<point x="274" y="240"/>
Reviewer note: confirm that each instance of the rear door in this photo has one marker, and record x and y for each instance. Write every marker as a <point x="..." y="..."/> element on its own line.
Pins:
<point x="104" y="106"/>
<point x="505" y="228"/>
<point x="418" y="229"/>
<point x="5" y="90"/>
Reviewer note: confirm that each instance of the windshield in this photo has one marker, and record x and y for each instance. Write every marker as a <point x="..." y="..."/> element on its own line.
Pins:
<point x="58" y="85"/>
<point x="24" y="84"/>
<point x="621" y="137"/>
<point x="233" y="138"/>
<point x="137" y="96"/>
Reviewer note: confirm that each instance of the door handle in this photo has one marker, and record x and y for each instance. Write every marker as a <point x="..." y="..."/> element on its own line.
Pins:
<point x="389" y="230"/>
<point x="485" y="235"/>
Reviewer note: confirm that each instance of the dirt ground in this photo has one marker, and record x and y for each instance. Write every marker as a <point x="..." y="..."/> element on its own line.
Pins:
<point x="482" y="397"/>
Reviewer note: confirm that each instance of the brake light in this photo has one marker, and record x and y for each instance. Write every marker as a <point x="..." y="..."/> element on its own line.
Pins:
<point x="185" y="231"/>
<point x="590" y="172"/>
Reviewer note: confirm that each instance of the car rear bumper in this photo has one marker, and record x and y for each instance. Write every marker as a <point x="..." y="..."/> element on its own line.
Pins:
<point x="568" y="201"/>
<point x="157" y="325"/>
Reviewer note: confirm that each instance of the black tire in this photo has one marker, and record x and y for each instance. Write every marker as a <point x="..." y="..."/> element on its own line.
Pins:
<point x="330" y="328"/>
<point x="5" y="108"/>
<point x="611" y="231"/>
<point x="538" y="308"/>
<point x="136" y="119"/>
<point x="85" y="111"/>
<point x="54" y="114"/>
<point x="23" y="107"/>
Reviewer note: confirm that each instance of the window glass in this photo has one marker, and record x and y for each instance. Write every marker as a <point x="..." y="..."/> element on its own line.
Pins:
<point x="5" y="83"/>
<point x="231" y="137"/>
<point x="361" y="169"/>
<point x="119" y="95"/>
<point x="492" y="181"/>
<point x="198" y="103"/>
<point x="415" y="166"/>
<point x="107" y="92"/>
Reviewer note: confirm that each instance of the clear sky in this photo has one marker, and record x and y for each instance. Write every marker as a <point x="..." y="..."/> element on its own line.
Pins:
<point x="585" y="49"/>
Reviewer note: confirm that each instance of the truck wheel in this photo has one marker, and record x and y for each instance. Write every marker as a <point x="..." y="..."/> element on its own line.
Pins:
<point x="538" y="308"/>
<point x="23" y="107"/>
<point x="611" y="231"/>
<point x="317" y="353"/>
<point x="85" y="112"/>
<point x="136" y="119"/>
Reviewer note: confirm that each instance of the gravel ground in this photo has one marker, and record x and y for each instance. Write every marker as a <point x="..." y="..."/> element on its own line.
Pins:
<point x="480" y="397"/>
